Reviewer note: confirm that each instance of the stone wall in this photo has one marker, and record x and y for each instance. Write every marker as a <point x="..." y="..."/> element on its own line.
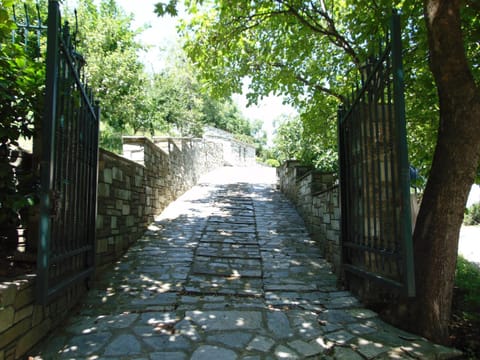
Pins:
<point x="236" y="153"/>
<point x="132" y="189"/>
<point x="23" y="323"/>
<point x="316" y="197"/>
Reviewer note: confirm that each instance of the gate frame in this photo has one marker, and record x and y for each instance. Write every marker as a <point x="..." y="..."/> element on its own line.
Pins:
<point x="394" y="50"/>
<point x="46" y="291"/>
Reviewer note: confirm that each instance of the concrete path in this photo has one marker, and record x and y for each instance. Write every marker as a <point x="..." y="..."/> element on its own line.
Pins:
<point x="228" y="271"/>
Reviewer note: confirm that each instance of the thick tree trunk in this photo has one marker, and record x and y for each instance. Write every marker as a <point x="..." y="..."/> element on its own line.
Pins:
<point x="454" y="166"/>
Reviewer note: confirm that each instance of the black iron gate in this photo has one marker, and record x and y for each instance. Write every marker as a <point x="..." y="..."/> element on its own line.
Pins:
<point x="68" y="167"/>
<point x="374" y="173"/>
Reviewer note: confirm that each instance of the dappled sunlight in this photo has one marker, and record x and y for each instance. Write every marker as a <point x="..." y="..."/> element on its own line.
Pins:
<point x="161" y="318"/>
<point x="369" y="348"/>
<point x="227" y="279"/>
<point x="154" y="227"/>
<point x="324" y="343"/>
<point x="283" y="354"/>
<point x="225" y="320"/>
<point x="235" y="275"/>
<point x="155" y="285"/>
<point x="240" y="323"/>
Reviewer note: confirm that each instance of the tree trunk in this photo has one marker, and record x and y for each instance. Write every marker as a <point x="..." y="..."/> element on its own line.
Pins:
<point x="454" y="166"/>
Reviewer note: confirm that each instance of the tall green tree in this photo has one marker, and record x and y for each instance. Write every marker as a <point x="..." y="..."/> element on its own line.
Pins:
<point x="182" y="102"/>
<point x="311" y="52"/>
<point x="114" y="70"/>
<point x="287" y="141"/>
<point x="294" y="141"/>
<point x="178" y="101"/>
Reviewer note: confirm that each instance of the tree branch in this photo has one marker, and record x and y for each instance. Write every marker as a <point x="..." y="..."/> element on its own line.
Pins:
<point x="330" y="30"/>
<point x="307" y="82"/>
<point x="320" y="88"/>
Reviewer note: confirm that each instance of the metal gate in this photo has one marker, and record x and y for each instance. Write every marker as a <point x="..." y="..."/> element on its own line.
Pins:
<point x="68" y="167"/>
<point x="374" y="175"/>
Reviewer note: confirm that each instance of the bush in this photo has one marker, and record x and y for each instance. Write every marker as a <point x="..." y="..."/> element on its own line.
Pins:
<point x="467" y="279"/>
<point x="22" y="81"/>
<point x="272" y="162"/>
<point x="472" y="215"/>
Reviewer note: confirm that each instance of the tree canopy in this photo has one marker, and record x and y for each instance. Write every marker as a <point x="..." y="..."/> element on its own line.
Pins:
<point x="312" y="53"/>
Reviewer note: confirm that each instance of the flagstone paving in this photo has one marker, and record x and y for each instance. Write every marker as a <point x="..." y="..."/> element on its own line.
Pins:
<point x="228" y="271"/>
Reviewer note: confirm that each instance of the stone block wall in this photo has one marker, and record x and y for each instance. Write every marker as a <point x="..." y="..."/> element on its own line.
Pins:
<point x="23" y="323"/>
<point x="132" y="189"/>
<point x="317" y="198"/>
<point x="236" y="153"/>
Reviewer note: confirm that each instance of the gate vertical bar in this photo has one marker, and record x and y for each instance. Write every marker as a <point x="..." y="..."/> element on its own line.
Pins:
<point x="48" y="145"/>
<point x="342" y="175"/>
<point x="402" y="153"/>
<point x="94" y="184"/>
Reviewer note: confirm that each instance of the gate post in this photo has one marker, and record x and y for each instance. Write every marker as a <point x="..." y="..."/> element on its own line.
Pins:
<point x="48" y="141"/>
<point x="400" y="123"/>
<point x="342" y="168"/>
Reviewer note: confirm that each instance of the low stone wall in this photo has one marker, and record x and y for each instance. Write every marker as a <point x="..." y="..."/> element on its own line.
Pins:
<point x="132" y="189"/>
<point x="23" y="323"/>
<point x="316" y="197"/>
<point x="236" y="153"/>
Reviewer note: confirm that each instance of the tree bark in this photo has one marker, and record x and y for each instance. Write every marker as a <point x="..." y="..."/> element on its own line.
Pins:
<point x="454" y="166"/>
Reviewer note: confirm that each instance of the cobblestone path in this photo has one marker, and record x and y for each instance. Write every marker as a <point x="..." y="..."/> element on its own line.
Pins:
<point x="228" y="271"/>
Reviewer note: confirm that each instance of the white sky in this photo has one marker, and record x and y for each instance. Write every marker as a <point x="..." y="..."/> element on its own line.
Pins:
<point x="162" y="35"/>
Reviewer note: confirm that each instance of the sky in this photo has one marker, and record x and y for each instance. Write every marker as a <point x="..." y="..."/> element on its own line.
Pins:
<point x="162" y="35"/>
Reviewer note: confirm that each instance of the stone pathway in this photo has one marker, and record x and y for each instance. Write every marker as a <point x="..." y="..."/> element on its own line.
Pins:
<point x="228" y="271"/>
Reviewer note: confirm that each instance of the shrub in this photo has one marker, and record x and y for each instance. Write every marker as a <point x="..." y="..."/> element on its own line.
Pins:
<point x="272" y="162"/>
<point x="467" y="279"/>
<point x="472" y="215"/>
<point x="22" y="79"/>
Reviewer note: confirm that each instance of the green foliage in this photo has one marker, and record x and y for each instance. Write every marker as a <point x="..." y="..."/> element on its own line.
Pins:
<point x="311" y="53"/>
<point x="472" y="215"/>
<point x="22" y="83"/>
<point x="288" y="139"/>
<point x="299" y="50"/>
<point x="467" y="279"/>
<point x="272" y="162"/>
<point x="293" y="142"/>
<point x="169" y="8"/>
<point x="178" y="103"/>
<point x="114" y="71"/>
<point x="181" y="102"/>
<point x="134" y="102"/>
